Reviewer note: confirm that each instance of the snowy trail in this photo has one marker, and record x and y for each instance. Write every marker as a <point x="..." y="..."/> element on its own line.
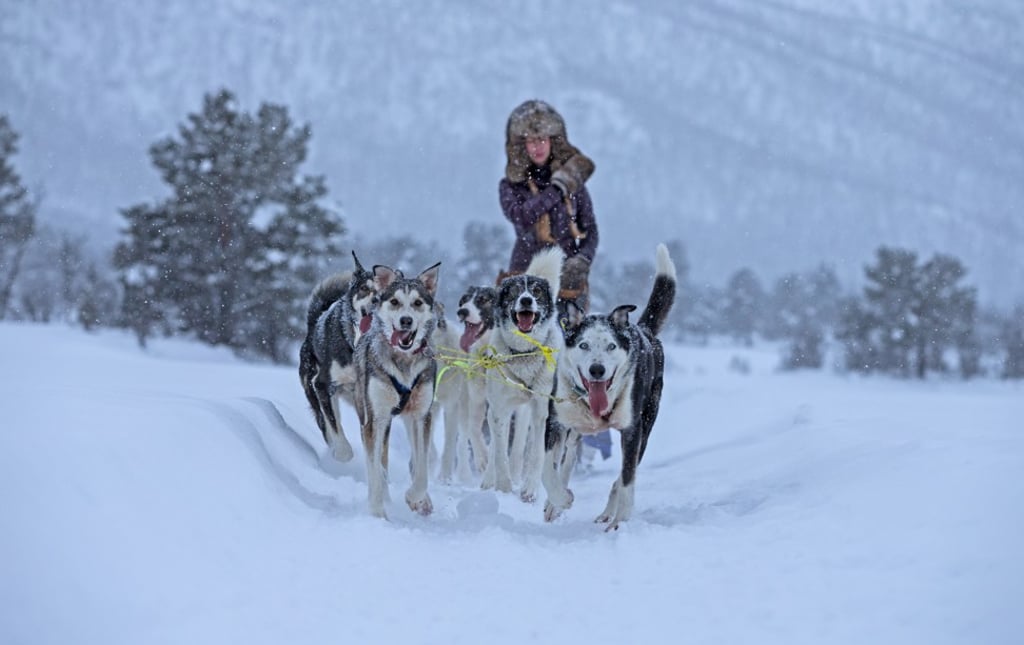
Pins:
<point x="179" y="496"/>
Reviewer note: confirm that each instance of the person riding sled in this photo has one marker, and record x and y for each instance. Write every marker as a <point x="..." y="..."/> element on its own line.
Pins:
<point x="543" y="194"/>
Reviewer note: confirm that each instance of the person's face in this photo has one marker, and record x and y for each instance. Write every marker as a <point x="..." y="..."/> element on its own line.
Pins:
<point x="538" y="149"/>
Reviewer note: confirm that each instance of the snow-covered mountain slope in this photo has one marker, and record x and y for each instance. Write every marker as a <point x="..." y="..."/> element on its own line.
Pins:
<point x="176" y="495"/>
<point x="769" y="134"/>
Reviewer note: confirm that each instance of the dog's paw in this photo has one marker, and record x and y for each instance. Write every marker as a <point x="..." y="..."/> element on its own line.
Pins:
<point x="528" y="496"/>
<point x="503" y="484"/>
<point x="551" y="512"/>
<point x="488" y="481"/>
<point x="613" y="525"/>
<point x="343" y="452"/>
<point x="480" y="461"/>
<point x="422" y="506"/>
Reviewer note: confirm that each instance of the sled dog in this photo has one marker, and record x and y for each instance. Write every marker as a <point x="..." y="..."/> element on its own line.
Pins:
<point x="610" y="375"/>
<point x="394" y="376"/>
<point x="464" y="396"/>
<point x="526" y="332"/>
<point x="338" y="314"/>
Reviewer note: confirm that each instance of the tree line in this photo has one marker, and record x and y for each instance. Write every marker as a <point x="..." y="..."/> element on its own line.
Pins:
<point x="230" y="256"/>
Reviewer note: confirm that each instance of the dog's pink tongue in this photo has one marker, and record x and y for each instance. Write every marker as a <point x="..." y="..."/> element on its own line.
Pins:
<point x="400" y="338"/>
<point x="364" y="324"/>
<point x="524" y="320"/>
<point x="597" y="393"/>
<point x="469" y="336"/>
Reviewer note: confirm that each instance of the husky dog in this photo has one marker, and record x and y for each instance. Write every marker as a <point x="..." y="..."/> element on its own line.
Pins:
<point x="338" y="314"/>
<point x="395" y="371"/>
<point x="609" y="376"/>
<point x="464" y="397"/>
<point x="526" y="329"/>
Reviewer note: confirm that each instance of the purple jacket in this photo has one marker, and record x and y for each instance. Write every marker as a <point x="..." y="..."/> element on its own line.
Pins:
<point x="523" y="208"/>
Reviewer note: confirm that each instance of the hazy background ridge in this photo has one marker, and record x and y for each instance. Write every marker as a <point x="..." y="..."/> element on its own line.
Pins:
<point x="772" y="134"/>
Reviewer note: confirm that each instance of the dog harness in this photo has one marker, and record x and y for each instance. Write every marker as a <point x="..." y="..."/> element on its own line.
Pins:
<point x="403" y="393"/>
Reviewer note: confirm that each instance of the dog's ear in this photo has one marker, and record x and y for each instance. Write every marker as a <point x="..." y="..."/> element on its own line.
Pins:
<point x="383" y="276"/>
<point x="359" y="265"/>
<point x="429" y="278"/>
<point x="620" y="315"/>
<point x="573" y="316"/>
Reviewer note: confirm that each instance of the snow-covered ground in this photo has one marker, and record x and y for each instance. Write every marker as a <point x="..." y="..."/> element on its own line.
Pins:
<point x="176" y="495"/>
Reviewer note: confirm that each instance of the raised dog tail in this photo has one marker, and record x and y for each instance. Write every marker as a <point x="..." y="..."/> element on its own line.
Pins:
<point x="330" y="290"/>
<point x="663" y="294"/>
<point x="547" y="264"/>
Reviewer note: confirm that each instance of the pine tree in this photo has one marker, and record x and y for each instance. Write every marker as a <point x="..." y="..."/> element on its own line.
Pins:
<point x="1013" y="343"/>
<point x="890" y="296"/>
<point x="485" y="249"/>
<point x="910" y="316"/>
<point x="945" y="312"/>
<point x="17" y="216"/>
<point x="231" y="255"/>
<point x="744" y="301"/>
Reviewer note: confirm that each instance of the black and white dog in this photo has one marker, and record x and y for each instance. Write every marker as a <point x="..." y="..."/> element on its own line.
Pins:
<point x="338" y="314"/>
<point x="526" y="333"/>
<point x="395" y="371"/>
<point x="610" y="375"/>
<point x="464" y="395"/>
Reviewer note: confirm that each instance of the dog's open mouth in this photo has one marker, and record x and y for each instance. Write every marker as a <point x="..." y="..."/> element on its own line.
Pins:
<point x="364" y="323"/>
<point x="402" y="338"/>
<point x="597" y="394"/>
<point x="525" y="320"/>
<point x="470" y="334"/>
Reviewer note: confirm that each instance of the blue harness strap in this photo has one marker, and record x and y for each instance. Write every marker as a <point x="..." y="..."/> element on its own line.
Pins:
<point x="403" y="393"/>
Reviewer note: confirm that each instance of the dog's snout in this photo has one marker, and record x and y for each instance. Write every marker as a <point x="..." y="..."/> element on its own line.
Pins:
<point x="462" y="313"/>
<point x="597" y="371"/>
<point x="405" y="322"/>
<point x="525" y="302"/>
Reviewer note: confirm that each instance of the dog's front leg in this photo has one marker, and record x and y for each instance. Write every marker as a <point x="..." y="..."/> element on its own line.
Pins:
<point x="374" y="431"/>
<point x="473" y="423"/>
<point x="340" y="447"/>
<point x="452" y="410"/>
<point x="534" y="460"/>
<point x="416" y="497"/>
<point x="620" y="499"/>
<point x="497" y="474"/>
<point x="559" y="496"/>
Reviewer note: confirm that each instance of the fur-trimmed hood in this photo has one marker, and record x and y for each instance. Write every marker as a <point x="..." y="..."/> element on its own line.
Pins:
<point x="538" y="119"/>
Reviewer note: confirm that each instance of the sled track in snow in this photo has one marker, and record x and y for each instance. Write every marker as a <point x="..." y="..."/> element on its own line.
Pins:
<point x="278" y="459"/>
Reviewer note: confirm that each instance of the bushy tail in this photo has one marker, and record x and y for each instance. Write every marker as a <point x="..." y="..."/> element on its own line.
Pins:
<point x="547" y="264"/>
<point x="663" y="294"/>
<point x="324" y="295"/>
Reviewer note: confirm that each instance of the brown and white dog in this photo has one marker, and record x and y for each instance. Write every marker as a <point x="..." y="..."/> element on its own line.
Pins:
<point x="395" y="371"/>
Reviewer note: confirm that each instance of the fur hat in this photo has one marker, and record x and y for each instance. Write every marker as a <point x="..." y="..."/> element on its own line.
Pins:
<point x="536" y="118"/>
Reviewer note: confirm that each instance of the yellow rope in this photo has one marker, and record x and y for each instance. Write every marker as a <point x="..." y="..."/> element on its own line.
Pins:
<point x="486" y="362"/>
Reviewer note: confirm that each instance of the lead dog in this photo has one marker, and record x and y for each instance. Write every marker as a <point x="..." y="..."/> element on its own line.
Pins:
<point x="395" y="371"/>
<point x="609" y="376"/>
<point x="338" y="314"/>
<point x="525" y="328"/>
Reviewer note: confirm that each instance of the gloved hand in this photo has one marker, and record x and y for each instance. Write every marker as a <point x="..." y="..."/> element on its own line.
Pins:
<point x="575" y="272"/>
<point x="571" y="175"/>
